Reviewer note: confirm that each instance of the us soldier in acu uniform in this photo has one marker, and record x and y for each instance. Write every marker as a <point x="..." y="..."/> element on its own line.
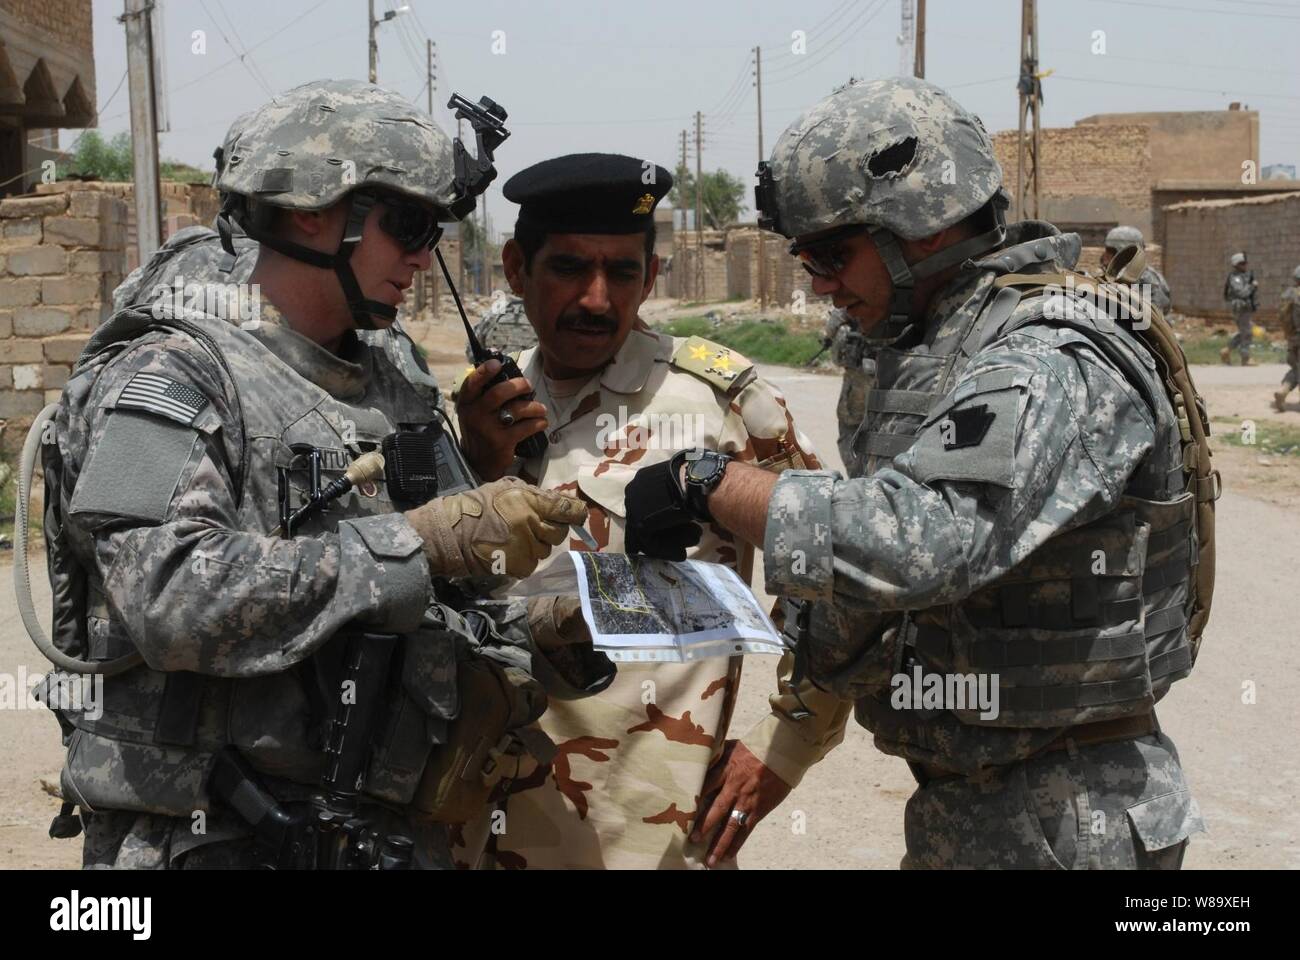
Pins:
<point x="1155" y="284"/>
<point x="192" y="544"/>
<point x="645" y="776"/>
<point x="1288" y="316"/>
<point x="1023" y="513"/>
<point x="1239" y="290"/>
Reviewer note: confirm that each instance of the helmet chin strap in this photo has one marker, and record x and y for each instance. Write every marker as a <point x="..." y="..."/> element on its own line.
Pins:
<point x="363" y="310"/>
<point x="904" y="275"/>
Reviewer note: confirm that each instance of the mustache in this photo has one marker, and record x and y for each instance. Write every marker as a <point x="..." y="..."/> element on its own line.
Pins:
<point x="587" y="320"/>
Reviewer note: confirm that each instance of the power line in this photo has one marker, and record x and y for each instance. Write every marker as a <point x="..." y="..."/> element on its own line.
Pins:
<point x="221" y="6"/>
<point x="1222" y="91"/>
<point x="830" y="51"/>
<point x="1181" y="9"/>
<point x="240" y="57"/>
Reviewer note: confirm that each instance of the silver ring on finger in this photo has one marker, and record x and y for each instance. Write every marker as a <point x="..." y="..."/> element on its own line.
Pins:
<point x="741" y="818"/>
<point x="506" y="417"/>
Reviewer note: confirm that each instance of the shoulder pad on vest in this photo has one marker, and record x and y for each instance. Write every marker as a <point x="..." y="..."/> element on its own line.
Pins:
<point x="721" y="367"/>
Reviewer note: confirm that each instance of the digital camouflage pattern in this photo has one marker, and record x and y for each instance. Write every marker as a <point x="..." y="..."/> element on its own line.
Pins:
<point x="314" y="144"/>
<point x="624" y="789"/>
<point x="998" y="459"/>
<point x="505" y="328"/>
<point x="228" y="617"/>
<point x="1157" y="287"/>
<point x="1239" y="290"/>
<point x="1288" y="316"/>
<point x="897" y="153"/>
<point x="194" y="258"/>
<point x="851" y="351"/>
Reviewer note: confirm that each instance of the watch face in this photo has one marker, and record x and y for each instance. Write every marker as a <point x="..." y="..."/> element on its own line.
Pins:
<point x="704" y="469"/>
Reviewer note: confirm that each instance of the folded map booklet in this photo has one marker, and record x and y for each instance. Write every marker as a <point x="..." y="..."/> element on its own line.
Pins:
<point x="660" y="610"/>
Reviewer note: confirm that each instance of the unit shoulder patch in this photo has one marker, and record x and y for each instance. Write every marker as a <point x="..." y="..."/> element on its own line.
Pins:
<point x="721" y="367"/>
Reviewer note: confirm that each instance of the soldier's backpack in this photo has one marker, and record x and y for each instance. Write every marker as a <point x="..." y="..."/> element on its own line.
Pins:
<point x="1193" y="420"/>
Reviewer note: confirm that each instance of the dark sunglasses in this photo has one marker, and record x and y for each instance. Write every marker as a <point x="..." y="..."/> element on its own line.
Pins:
<point x="826" y="256"/>
<point x="411" y="224"/>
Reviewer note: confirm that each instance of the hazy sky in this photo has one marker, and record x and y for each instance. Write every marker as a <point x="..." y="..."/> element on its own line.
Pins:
<point x="628" y="76"/>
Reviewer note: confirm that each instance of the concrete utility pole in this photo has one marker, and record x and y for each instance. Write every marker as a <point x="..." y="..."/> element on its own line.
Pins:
<point x="483" y="252"/>
<point x="426" y="289"/>
<point x="762" y="260"/>
<point x="1030" y="88"/>
<point x="699" y="222"/>
<point x="919" y="68"/>
<point x="374" y="46"/>
<point x="144" y="131"/>
<point x="906" y="38"/>
<point x="681" y="187"/>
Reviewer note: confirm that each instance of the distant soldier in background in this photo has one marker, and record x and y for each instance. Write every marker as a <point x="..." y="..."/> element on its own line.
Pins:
<point x="1239" y="290"/>
<point x="504" y="327"/>
<point x="1155" y="285"/>
<point x="849" y="350"/>
<point x="1288" y="315"/>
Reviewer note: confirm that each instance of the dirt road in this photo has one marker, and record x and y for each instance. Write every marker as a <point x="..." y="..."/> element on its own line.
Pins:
<point x="1240" y="756"/>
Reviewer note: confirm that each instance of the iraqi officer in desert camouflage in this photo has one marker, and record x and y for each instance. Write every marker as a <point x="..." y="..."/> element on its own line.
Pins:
<point x="645" y="775"/>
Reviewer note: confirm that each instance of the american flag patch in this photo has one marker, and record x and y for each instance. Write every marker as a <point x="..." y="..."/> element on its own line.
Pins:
<point x="163" y="396"/>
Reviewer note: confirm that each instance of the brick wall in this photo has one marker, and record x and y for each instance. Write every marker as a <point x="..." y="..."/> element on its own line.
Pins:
<point x="1200" y="236"/>
<point x="60" y="258"/>
<point x="67" y="22"/>
<point x="687" y="251"/>
<point x="1089" y="174"/>
<point x="184" y="205"/>
<point x="1193" y="144"/>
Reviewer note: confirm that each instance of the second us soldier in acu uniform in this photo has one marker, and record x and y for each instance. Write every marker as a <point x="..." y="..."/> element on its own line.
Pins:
<point x="646" y="776"/>
<point x="1156" y="287"/>
<point x="1240" y="290"/>
<point x="1022" y="518"/>
<point x="184" y="440"/>
<point x="1288" y="317"/>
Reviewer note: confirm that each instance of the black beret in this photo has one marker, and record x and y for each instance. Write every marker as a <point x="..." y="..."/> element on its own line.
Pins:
<point x="589" y="193"/>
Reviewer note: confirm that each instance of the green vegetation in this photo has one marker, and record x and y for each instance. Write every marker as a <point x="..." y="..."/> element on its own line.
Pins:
<point x="1273" y="439"/>
<point x="1203" y="346"/>
<point x="110" y="160"/>
<point x="722" y="196"/>
<point x="758" y="341"/>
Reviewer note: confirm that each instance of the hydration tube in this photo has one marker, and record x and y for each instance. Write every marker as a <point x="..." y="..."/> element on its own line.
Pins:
<point x="22" y="576"/>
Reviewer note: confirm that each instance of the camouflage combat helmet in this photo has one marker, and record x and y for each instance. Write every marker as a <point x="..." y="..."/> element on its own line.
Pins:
<point x="898" y="156"/>
<point x="1122" y="236"/>
<point x="331" y="140"/>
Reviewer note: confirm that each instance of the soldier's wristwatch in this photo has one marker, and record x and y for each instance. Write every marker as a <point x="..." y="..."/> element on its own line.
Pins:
<point x="704" y="471"/>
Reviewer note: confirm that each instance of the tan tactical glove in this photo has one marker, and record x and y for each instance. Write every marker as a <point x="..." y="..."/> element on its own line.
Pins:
<point x="567" y="665"/>
<point x="503" y="527"/>
<point x="557" y="622"/>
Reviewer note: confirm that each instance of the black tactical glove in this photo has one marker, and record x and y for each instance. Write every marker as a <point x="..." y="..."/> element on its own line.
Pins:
<point x="659" y="524"/>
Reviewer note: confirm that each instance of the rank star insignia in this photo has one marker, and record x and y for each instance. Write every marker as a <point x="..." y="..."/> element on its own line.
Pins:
<point x="699" y="353"/>
<point x="722" y="361"/>
<point x="644" y="204"/>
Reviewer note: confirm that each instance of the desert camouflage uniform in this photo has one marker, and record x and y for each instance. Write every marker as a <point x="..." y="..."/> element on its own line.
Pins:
<point x="624" y="790"/>
<point x="1239" y="291"/>
<point x="1021" y="514"/>
<point x="505" y="328"/>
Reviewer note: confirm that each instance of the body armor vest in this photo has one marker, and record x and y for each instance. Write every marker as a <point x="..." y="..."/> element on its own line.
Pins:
<point x="150" y="748"/>
<point x="1094" y="624"/>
